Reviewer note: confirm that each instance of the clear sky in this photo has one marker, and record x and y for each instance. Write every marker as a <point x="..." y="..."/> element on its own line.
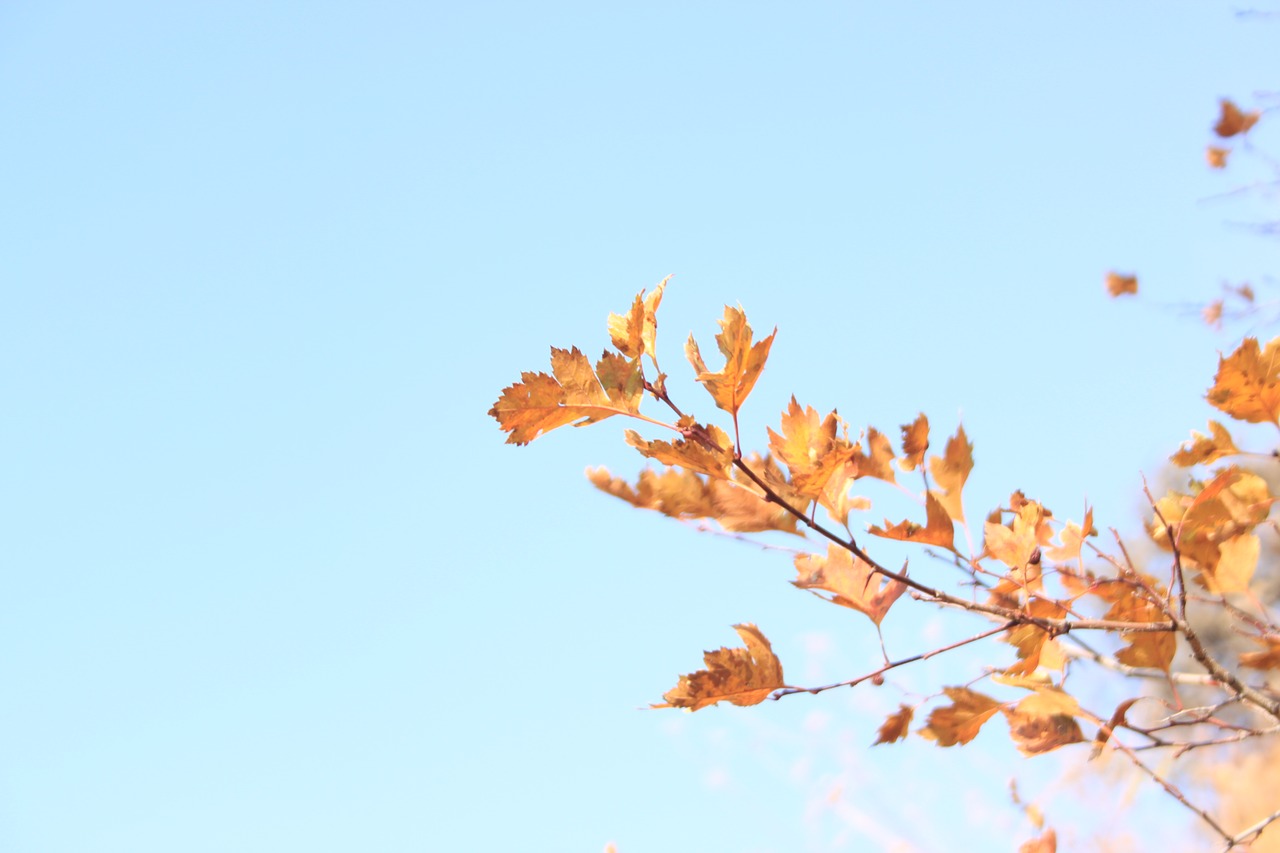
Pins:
<point x="272" y="581"/>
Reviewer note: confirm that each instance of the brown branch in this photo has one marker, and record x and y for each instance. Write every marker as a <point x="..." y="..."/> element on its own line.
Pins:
<point x="788" y="691"/>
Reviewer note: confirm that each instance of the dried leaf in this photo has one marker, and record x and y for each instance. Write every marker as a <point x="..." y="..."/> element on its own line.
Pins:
<point x="950" y="472"/>
<point x="852" y="582"/>
<point x="915" y="441"/>
<point x="1232" y="120"/>
<point x="1268" y="659"/>
<point x="692" y="453"/>
<point x="1217" y="157"/>
<point x="938" y="529"/>
<point x="1247" y="386"/>
<point x="1072" y="536"/>
<point x="1120" y="285"/>
<point x="1205" y="449"/>
<point x="1153" y="649"/>
<point x="574" y="394"/>
<point x="959" y="722"/>
<point x="1035" y="733"/>
<point x="813" y="450"/>
<point x="744" y="361"/>
<point x="743" y="676"/>
<point x="895" y="727"/>
<point x="680" y="493"/>
<point x="1104" y="732"/>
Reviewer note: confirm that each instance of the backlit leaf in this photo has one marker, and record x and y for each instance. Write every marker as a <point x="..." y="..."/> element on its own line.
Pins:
<point x="959" y="722"/>
<point x="711" y="455"/>
<point x="574" y="394"/>
<point x="950" y="471"/>
<point x="744" y="361"/>
<point x="634" y="333"/>
<point x="850" y="580"/>
<point x="743" y="676"/>
<point x="1269" y="658"/>
<point x="938" y="529"/>
<point x="1205" y="449"/>
<point x="813" y="449"/>
<point x="1247" y="386"/>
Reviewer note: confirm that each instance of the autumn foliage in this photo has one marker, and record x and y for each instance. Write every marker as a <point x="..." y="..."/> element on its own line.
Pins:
<point x="1036" y="583"/>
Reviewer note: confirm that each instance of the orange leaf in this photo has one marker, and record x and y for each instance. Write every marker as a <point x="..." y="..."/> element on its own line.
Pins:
<point x="1072" y="536"/>
<point x="950" y="472"/>
<point x="692" y="453"/>
<point x="895" y="727"/>
<point x="850" y="580"/>
<point x="634" y="333"/>
<point x="1205" y="449"/>
<point x="1268" y="659"/>
<point x="1232" y="120"/>
<point x="730" y="386"/>
<point x="959" y="722"/>
<point x="1104" y="732"/>
<point x="878" y="458"/>
<point x="915" y="441"/>
<point x="574" y="395"/>
<point x="1036" y="734"/>
<point x="1044" y="843"/>
<point x="1247" y="386"/>
<point x="741" y="676"/>
<point x="937" y="531"/>
<point x="1145" y="648"/>
<point x="1216" y="157"/>
<point x="1120" y="285"/>
<point x="813" y="450"/>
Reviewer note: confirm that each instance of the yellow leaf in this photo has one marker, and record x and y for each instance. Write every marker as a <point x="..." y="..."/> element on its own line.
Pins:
<point x="850" y="580"/>
<point x="950" y="472"/>
<point x="895" y="727"/>
<point x="572" y="395"/>
<point x="1044" y="843"/>
<point x="1205" y="449"/>
<point x="634" y="333"/>
<point x="743" y="676"/>
<point x="1268" y="659"/>
<point x="744" y="361"/>
<point x="1247" y="386"/>
<point x="1121" y="285"/>
<point x="813" y="450"/>
<point x="1217" y="157"/>
<point x="938" y="529"/>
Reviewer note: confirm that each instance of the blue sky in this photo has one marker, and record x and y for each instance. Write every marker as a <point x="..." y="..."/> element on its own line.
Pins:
<point x="272" y="581"/>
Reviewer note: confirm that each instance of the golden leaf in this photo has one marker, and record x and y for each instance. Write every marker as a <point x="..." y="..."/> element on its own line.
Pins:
<point x="1036" y="647"/>
<point x="1144" y="648"/>
<point x="950" y="472"/>
<point x="1217" y="157"/>
<point x="877" y="462"/>
<point x="938" y="529"/>
<point x="1247" y="386"/>
<point x="692" y="453"/>
<point x="915" y="441"/>
<point x="895" y="727"/>
<point x="852" y="582"/>
<point x="743" y="676"/>
<point x="1205" y="449"/>
<point x="813" y="450"/>
<point x="959" y="722"/>
<point x="635" y="332"/>
<point x="1232" y="120"/>
<point x="574" y="394"/>
<point x="1120" y="285"/>
<point x="1072" y="536"/>
<point x="730" y="386"/>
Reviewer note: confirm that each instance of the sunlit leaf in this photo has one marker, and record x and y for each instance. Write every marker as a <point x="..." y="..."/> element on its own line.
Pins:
<point x="1232" y="120"/>
<point x="744" y="361"/>
<point x="915" y="441"/>
<point x="743" y="676"/>
<point x="950" y="471"/>
<point x="1204" y="449"/>
<point x="851" y="581"/>
<point x="1121" y="285"/>
<point x="574" y="394"/>
<point x="959" y="722"/>
<point x="1247" y="386"/>
<point x="938" y="529"/>
<point x="896" y="726"/>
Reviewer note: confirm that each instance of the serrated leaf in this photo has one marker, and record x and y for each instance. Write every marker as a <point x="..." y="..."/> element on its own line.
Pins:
<point x="744" y="361"/>
<point x="813" y="449"/>
<point x="573" y="394"/>
<point x="714" y="460"/>
<point x="852" y="582"/>
<point x="634" y="333"/>
<point x="938" y="529"/>
<point x="1247" y="385"/>
<point x="743" y="676"/>
<point x="950" y="471"/>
